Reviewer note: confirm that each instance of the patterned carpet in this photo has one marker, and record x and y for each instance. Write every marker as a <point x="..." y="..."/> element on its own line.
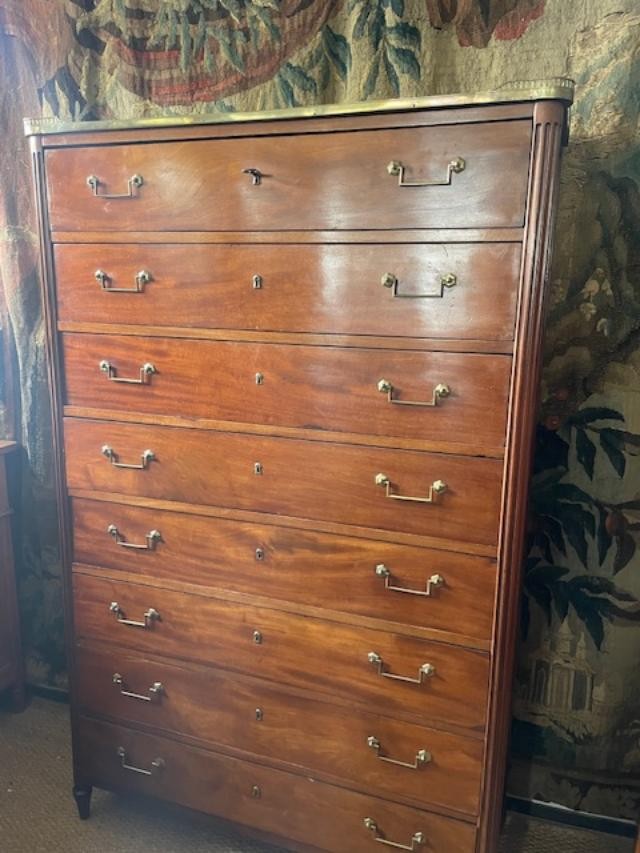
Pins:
<point x="37" y="814"/>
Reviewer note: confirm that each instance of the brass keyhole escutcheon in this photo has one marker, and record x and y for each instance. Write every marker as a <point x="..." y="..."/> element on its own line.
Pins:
<point x="257" y="638"/>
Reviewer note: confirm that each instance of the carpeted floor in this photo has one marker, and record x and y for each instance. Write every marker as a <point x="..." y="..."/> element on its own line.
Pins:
<point x="37" y="813"/>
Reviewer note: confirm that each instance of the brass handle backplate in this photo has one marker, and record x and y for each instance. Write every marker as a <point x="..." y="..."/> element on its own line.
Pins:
<point x="422" y="756"/>
<point x="427" y="670"/>
<point x="455" y="166"/>
<point x="390" y="281"/>
<point x="151" y="539"/>
<point x="155" y="691"/>
<point x="146" y="456"/>
<point x="150" y="616"/>
<point x="133" y="185"/>
<point x="143" y="277"/>
<point x="434" y="581"/>
<point x="439" y="392"/>
<point x="435" y="489"/>
<point x="417" y="839"/>
<point x="146" y="372"/>
<point x="156" y="765"/>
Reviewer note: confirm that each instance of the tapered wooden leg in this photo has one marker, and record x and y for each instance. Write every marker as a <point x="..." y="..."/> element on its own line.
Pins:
<point x="637" y="847"/>
<point x="82" y="796"/>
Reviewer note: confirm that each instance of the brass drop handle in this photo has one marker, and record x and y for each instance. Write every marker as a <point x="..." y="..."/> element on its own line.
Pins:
<point x="435" y="489"/>
<point x="146" y="372"/>
<point x="390" y="281"/>
<point x="256" y="175"/>
<point x="155" y="691"/>
<point x="146" y="456"/>
<point x="151" y="539"/>
<point x="143" y="277"/>
<point x="156" y="765"/>
<point x="133" y="185"/>
<point x="439" y="392"/>
<point x="434" y="582"/>
<point x="455" y="166"/>
<point x="150" y="616"/>
<point x="422" y="756"/>
<point x="417" y="839"/>
<point x="427" y="670"/>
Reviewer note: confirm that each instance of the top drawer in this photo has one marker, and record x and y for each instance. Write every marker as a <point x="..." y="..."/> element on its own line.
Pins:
<point x="321" y="181"/>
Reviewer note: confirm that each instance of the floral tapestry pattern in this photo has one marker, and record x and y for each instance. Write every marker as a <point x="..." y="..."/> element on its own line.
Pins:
<point x="576" y="735"/>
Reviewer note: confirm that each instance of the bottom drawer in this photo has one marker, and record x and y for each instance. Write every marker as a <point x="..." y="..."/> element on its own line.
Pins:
<point x="311" y="813"/>
<point x="261" y="719"/>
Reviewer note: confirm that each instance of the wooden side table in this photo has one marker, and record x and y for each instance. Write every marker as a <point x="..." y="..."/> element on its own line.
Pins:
<point x="11" y="664"/>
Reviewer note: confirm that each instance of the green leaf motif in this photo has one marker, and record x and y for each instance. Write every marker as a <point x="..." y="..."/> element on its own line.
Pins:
<point x="361" y="21"/>
<point x="625" y="553"/>
<point x="593" y="599"/>
<point x="299" y="78"/>
<point x="393" y="44"/>
<point x="392" y="74"/>
<point x="338" y="51"/>
<point x="586" y="451"/>
<point x="571" y="493"/>
<point x="612" y="442"/>
<point x="603" y="537"/>
<point x="553" y="530"/>
<point x="372" y="76"/>
<point x="405" y="33"/>
<point x="594" y="413"/>
<point x="286" y="91"/>
<point x="405" y="60"/>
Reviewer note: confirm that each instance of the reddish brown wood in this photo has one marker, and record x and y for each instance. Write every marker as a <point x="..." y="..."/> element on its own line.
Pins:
<point x="11" y="663"/>
<point x="321" y="816"/>
<point x="254" y="719"/>
<point x="426" y="236"/>
<point x="299" y="567"/>
<point x="544" y="174"/>
<point x="323" y="205"/>
<point x="436" y="542"/>
<point x="326" y="388"/>
<point x="331" y="482"/>
<point x="211" y="286"/>
<point x="338" y="181"/>
<point x="82" y="786"/>
<point x="318" y="655"/>
<point x="443" y="444"/>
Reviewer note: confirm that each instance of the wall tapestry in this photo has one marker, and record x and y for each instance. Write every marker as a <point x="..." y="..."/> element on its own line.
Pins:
<point x="576" y="735"/>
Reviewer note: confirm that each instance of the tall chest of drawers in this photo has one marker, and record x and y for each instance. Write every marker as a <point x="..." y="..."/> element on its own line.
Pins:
<point x="294" y="365"/>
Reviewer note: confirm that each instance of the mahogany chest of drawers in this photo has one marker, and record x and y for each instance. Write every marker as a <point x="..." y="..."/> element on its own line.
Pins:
<point x="294" y="364"/>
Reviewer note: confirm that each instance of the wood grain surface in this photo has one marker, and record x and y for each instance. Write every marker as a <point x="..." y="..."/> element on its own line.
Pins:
<point x="308" y="182"/>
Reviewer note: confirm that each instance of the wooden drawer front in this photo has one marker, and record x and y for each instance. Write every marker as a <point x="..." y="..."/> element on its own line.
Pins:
<point x="256" y="718"/>
<point x="325" y="388"/>
<point x="323" y="816"/>
<point x="308" y="479"/>
<point x="328" y="289"/>
<point x="316" y="181"/>
<point x="310" y="653"/>
<point x="298" y="566"/>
